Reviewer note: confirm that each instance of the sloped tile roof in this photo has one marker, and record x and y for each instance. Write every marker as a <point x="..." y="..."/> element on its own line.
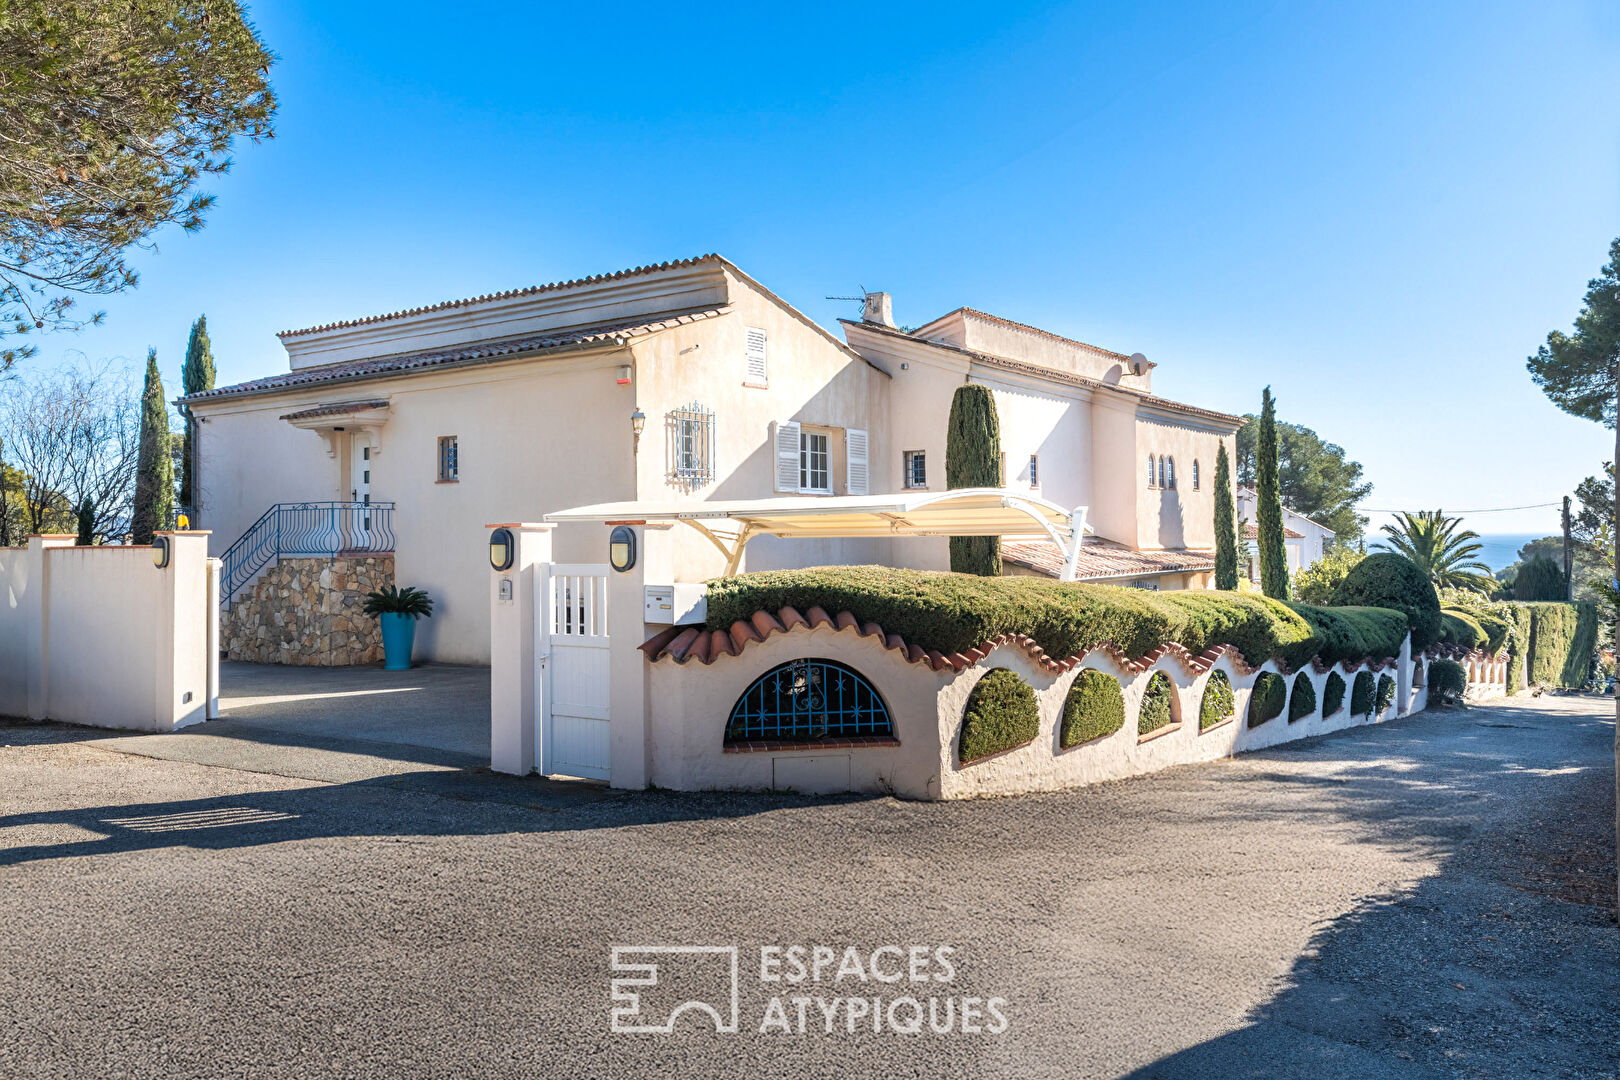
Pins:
<point x="1103" y="559"/>
<point x="1012" y="324"/>
<point x="465" y="354"/>
<point x="1251" y="531"/>
<point x="334" y="410"/>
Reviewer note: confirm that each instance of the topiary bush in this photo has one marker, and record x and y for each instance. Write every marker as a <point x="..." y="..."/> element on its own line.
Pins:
<point x="1094" y="707"/>
<point x="1219" y="702"/>
<point x="1001" y="714"/>
<point x="1333" y="694"/>
<point x="1388" y="580"/>
<point x="1362" y="695"/>
<point x="973" y="460"/>
<point x="1386" y="693"/>
<point x="1267" y="699"/>
<point x="1540" y="579"/>
<point x="1562" y="638"/>
<point x="1354" y="633"/>
<point x="1302" y="702"/>
<point x="1448" y="681"/>
<point x="1461" y="628"/>
<point x="1157" y="709"/>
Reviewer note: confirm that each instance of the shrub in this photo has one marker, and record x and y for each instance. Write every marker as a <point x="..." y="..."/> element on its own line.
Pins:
<point x="1157" y="709"/>
<point x="1001" y="714"/>
<point x="1362" y="694"/>
<point x="1447" y="679"/>
<point x="1461" y="628"/>
<point x="1315" y="583"/>
<point x="1354" y="633"/>
<point x="1333" y="694"/>
<point x="1095" y="707"/>
<point x="1267" y="699"/>
<point x="1562" y="638"/>
<point x="973" y="460"/>
<point x="1540" y="579"/>
<point x="1219" y="701"/>
<point x="1388" y="580"/>
<point x="1302" y="702"/>
<point x="1386" y="693"/>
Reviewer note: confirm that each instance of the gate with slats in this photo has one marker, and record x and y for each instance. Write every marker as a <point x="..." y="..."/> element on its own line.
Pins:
<point x="572" y="651"/>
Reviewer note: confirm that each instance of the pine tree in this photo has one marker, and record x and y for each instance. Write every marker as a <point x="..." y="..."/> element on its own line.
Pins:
<point x="87" y="523"/>
<point x="196" y="375"/>
<point x="154" y="464"/>
<point x="1268" y="507"/>
<point x="1226" y="561"/>
<point x="973" y="459"/>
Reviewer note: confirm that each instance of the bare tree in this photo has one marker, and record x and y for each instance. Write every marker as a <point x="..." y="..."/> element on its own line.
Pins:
<point x="72" y="435"/>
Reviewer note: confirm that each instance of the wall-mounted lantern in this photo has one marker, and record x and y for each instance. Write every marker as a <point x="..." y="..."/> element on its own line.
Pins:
<point x="638" y="421"/>
<point x="160" y="551"/>
<point x="622" y="548"/>
<point x="502" y="547"/>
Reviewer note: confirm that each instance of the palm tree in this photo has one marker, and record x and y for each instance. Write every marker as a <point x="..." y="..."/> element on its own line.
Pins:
<point x="1431" y="540"/>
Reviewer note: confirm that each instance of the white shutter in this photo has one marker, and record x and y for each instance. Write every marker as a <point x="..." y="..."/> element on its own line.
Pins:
<point x="855" y="454"/>
<point x="786" y="440"/>
<point x="754" y="349"/>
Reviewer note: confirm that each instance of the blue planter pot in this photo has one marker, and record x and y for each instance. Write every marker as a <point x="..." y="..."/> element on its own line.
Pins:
<point x="399" y="635"/>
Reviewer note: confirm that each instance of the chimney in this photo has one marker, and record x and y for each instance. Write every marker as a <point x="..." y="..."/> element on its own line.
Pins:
<point x="879" y="309"/>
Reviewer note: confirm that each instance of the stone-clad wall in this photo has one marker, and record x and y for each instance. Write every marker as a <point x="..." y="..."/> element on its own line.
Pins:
<point x="307" y="612"/>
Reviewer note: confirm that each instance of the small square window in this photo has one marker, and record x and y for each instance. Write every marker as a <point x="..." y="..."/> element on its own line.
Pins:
<point x="449" y="460"/>
<point x="1034" y="470"/>
<point x="916" y="466"/>
<point x="815" y="463"/>
<point x="691" y="446"/>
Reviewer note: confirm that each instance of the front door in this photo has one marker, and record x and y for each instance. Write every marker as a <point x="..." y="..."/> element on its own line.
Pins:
<point x="356" y="523"/>
<point x="573" y="656"/>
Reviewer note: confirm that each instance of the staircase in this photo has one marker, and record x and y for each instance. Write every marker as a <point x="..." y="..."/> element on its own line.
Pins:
<point x="305" y="530"/>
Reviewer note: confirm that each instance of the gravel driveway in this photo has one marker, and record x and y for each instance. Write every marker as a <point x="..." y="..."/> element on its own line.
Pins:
<point x="1424" y="898"/>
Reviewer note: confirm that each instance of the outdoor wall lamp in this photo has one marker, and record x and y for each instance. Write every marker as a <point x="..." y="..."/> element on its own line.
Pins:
<point x="160" y="551"/>
<point x="501" y="548"/>
<point x="638" y="421"/>
<point x="622" y="548"/>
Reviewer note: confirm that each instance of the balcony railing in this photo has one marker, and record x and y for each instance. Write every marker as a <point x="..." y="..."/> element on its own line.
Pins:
<point x="306" y="530"/>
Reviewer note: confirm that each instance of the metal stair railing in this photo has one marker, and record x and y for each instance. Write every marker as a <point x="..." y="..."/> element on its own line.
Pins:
<point x="305" y="530"/>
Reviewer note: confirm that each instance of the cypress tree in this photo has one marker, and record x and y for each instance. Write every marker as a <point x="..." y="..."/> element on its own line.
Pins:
<point x="973" y="459"/>
<point x="154" y="463"/>
<point x="1268" y="507"/>
<point x="87" y="523"/>
<point x="196" y="375"/>
<point x="1226" y="563"/>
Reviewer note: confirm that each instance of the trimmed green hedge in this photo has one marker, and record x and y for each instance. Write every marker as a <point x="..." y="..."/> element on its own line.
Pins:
<point x="1333" y="694"/>
<point x="955" y="612"/>
<point x="1157" y="709"/>
<point x="1388" y="580"/>
<point x="1461" y="628"/>
<point x="1386" y="693"/>
<point x="1219" y="701"/>
<point x="1094" y="707"/>
<point x="1001" y="714"/>
<point x="1267" y="699"/>
<point x="1447" y="679"/>
<point x="1362" y="695"/>
<point x="1562" y="637"/>
<point x="1302" y="702"/>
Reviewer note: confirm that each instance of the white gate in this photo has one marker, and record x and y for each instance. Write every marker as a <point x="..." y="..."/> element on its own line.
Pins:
<point x="572" y="653"/>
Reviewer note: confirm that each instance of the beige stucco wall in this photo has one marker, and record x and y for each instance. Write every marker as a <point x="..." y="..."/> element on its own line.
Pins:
<point x="1182" y="517"/>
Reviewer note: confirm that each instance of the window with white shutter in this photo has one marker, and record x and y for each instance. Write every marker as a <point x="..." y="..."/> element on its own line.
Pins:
<point x="856" y="443"/>
<point x="786" y="441"/>
<point x="754" y="351"/>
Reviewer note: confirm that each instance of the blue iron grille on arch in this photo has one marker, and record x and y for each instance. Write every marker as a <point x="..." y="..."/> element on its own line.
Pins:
<point x="806" y="700"/>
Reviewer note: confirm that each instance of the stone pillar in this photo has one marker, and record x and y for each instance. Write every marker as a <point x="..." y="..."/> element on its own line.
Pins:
<point x="629" y="766"/>
<point x="38" y="616"/>
<point x="514" y="684"/>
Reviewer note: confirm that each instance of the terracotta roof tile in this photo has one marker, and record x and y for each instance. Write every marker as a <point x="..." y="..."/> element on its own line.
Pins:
<point x="335" y="410"/>
<point x="1102" y="560"/>
<point x="1252" y="532"/>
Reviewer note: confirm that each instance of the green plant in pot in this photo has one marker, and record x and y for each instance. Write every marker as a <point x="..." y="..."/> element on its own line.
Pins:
<point x="397" y="611"/>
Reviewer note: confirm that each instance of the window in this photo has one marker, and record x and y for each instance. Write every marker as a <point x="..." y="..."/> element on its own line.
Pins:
<point x="815" y="473"/>
<point x="754" y="354"/>
<point x="1161" y="471"/>
<point x="1034" y="470"/>
<point x="1170" y="472"/>
<point x="449" y="460"/>
<point x="691" y="445"/>
<point x="806" y="701"/>
<point x="1150" y="471"/>
<point x="1195" y="474"/>
<point x="916" y="469"/>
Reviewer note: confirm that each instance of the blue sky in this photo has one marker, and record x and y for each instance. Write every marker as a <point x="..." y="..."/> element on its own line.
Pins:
<point x="1378" y="209"/>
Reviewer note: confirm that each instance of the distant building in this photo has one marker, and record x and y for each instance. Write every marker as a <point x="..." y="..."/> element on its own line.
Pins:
<point x="1304" y="540"/>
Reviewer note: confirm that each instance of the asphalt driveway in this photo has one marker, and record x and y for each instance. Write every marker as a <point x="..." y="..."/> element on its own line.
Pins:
<point x="1423" y="898"/>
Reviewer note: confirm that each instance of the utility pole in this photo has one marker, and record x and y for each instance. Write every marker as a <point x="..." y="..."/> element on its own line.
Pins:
<point x="1569" y="569"/>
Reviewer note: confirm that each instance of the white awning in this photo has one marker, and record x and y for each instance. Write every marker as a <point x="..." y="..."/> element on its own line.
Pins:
<point x="730" y="524"/>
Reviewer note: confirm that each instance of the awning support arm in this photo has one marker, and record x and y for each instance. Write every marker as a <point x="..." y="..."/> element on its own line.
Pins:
<point x="1071" y="560"/>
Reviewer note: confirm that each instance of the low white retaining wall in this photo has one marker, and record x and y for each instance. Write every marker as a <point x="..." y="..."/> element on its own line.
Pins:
<point x="101" y="636"/>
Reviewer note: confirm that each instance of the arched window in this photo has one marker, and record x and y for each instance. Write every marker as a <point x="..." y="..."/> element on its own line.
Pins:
<point x="1161" y="472"/>
<point x="1195" y="474"/>
<point x="1150" y="470"/>
<point x="1171" y="473"/>
<point x="807" y="701"/>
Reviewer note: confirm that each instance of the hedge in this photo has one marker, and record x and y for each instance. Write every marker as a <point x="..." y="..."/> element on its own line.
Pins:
<point x="1362" y="694"/>
<point x="1157" y="710"/>
<point x="1562" y="637"/>
<point x="955" y="612"/>
<point x="1461" y="628"/>
<point x="1386" y="693"/>
<point x="1094" y="707"/>
<point x="1333" y="694"/>
<point x="1302" y="702"/>
<point x="1267" y="699"/>
<point x="1448" y="679"/>
<point x="1001" y="714"/>
<point x="1388" y="580"/>
<point x="1219" y="701"/>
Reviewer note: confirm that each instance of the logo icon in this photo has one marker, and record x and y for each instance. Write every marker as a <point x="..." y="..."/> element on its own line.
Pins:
<point x="660" y="982"/>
